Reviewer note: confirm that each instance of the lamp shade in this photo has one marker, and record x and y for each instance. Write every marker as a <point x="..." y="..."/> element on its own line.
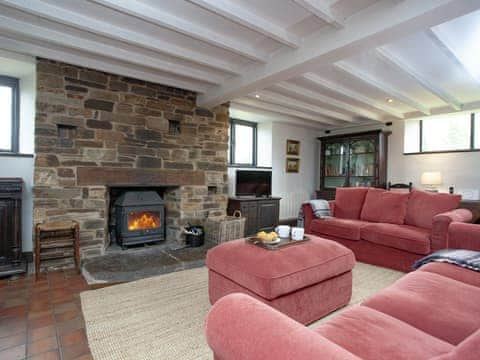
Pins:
<point x="431" y="178"/>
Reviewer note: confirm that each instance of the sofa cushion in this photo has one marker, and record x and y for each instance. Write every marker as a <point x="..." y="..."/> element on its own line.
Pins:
<point x="349" y="202"/>
<point x="342" y="228"/>
<point x="454" y="272"/>
<point x="271" y="274"/>
<point x="466" y="350"/>
<point x="423" y="206"/>
<point x="404" y="237"/>
<point x="437" y="305"/>
<point x="371" y="334"/>
<point x="385" y="206"/>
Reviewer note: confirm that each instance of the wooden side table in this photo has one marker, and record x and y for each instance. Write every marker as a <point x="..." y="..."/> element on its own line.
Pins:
<point x="57" y="240"/>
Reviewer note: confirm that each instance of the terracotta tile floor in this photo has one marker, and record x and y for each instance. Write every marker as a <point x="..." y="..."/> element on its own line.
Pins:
<point x="43" y="319"/>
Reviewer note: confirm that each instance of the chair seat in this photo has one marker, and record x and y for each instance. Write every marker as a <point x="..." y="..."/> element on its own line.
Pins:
<point x="404" y="237"/>
<point x="343" y="228"/>
<point x="371" y="334"/>
<point x="444" y="308"/>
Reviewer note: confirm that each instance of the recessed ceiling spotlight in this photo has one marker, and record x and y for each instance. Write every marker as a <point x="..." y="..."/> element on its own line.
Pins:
<point x="389" y="100"/>
<point x="257" y="96"/>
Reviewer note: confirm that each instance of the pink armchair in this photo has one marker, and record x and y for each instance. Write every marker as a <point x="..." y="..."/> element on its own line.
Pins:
<point x="464" y="236"/>
<point x="441" y="226"/>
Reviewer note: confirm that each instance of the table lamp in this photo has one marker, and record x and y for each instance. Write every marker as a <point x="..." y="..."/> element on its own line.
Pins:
<point x="430" y="179"/>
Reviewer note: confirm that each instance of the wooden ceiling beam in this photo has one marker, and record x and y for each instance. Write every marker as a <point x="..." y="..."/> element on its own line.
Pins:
<point x="380" y="85"/>
<point x="255" y="114"/>
<point x="32" y="31"/>
<point x="279" y="99"/>
<point x="387" y="56"/>
<point x="442" y="46"/>
<point x="374" y="26"/>
<point x="321" y="11"/>
<point x="80" y="59"/>
<point x="285" y="111"/>
<point x="315" y="96"/>
<point x="234" y="12"/>
<point x="170" y="21"/>
<point x="354" y="95"/>
<point x="90" y="24"/>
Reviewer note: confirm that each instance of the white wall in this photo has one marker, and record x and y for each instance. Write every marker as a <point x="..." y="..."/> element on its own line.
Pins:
<point x="294" y="188"/>
<point x="23" y="68"/>
<point x="460" y="170"/>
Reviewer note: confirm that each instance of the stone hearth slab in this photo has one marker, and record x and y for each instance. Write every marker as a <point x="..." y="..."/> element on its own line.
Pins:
<point x="137" y="263"/>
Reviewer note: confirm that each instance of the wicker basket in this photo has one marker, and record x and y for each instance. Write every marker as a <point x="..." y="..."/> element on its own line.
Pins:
<point x="226" y="228"/>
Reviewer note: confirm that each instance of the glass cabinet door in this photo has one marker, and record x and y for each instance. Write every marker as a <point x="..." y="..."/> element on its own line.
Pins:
<point x="362" y="163"/>
<point x="336" y="165"/>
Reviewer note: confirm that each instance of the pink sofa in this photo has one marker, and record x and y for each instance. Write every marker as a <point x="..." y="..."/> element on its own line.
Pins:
<point x="388" y="228"/>
<point x="431" y="313"/>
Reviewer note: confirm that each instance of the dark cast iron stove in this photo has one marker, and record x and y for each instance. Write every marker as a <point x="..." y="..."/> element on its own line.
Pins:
<point x="140" y="218"/>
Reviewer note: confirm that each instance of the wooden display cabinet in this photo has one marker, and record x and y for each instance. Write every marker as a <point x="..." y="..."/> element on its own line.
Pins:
<point x="351" y="160"/>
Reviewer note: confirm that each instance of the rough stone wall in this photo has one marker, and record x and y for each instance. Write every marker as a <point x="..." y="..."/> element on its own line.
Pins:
<point x="90" y="122"/>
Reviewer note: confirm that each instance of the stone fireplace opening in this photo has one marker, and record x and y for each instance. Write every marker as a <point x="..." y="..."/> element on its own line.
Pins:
<point x="136" y="216"/>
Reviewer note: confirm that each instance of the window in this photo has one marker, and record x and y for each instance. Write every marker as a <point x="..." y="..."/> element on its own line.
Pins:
<point x="448" y="133"/>
<point x="476" y="130"/>
<point x="9" y="110"/>
<point x="243" y="143"/>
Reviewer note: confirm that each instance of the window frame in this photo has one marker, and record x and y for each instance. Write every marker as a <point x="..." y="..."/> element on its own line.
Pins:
<point x="231" y="158"/>
<point x="471" y="140"/>
<point x="14" y="84"/>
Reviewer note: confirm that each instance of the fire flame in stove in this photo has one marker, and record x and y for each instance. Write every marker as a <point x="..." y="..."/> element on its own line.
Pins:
<point x="143" y="220"/>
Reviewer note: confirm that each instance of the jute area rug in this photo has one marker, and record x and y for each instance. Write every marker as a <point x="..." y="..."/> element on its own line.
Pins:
<point x="163" y="317"/>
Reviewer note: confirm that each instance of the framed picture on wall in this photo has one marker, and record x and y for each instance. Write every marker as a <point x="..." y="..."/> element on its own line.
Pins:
<point x="293" y="147"/>
<point x="292" y="165"/>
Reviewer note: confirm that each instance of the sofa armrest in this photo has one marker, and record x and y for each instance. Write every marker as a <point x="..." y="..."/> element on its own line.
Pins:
<point x="464" y="236"/>
<point x="332" y="207"/>
<point x="239" y="327"/>
<point x="307" y="217"/>
<point x="441" y="223"/>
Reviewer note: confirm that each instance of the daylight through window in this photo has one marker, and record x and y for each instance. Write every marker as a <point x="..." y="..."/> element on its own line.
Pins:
<point x="8" y="114"/>
<point x="455" y="132"/>
<point x="243" y="143"/>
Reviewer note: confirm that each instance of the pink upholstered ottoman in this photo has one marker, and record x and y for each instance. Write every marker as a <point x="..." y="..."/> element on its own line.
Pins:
<point x="304" y="281"/>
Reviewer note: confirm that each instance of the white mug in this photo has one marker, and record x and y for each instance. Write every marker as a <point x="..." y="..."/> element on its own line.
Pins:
<point x="297" y="233"/>
<point x="283" y="231"/>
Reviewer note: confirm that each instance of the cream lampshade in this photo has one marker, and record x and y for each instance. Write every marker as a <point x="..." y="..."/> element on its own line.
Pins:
<point x="430" y="179"/>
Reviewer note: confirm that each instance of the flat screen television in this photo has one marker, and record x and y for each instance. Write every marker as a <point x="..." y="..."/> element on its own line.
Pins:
<point x="253" y="183"/>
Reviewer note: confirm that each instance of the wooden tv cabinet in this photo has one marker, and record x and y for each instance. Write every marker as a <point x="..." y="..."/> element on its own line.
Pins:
<point x="262" y="214"/>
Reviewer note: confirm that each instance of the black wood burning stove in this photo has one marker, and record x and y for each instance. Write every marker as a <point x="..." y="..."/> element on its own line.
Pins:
<point x="11" y="261"/>
<point x="140" y="218"/>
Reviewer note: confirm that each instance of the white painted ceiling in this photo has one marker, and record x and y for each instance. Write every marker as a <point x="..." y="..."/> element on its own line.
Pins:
<point x="321" y="63"/>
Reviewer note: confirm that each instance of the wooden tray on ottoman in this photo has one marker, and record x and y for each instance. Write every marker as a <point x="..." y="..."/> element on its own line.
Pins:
<point x="284" y="242"/>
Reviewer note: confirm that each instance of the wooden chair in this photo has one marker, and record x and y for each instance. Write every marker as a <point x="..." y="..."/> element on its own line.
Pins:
<point x="57" y="240"/>
<point x="400" y="186"/>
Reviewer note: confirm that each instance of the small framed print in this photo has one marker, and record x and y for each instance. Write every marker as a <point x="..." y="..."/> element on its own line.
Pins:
<point x="293" y="147"/>
<point x="292" y="165"/>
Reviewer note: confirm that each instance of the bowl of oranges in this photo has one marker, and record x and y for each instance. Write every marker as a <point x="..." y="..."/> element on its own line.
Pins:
<point x="268" y="238"/>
